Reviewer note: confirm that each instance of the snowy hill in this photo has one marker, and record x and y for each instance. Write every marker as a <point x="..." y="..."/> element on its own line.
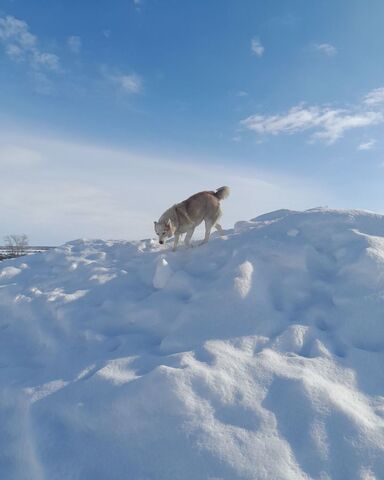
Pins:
<point x="257" y="356"/>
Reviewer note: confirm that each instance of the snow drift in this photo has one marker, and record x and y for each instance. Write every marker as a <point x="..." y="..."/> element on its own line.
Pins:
<point x="257" y="356"/>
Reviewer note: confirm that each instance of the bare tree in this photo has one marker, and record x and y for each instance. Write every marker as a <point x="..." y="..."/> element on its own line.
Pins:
<point x="16" y="245"/>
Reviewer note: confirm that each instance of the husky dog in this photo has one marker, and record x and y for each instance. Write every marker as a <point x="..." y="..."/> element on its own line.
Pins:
<point x="185" y="216"/>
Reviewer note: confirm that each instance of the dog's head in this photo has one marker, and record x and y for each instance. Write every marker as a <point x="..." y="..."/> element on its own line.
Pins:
<point x="164" y="230"/>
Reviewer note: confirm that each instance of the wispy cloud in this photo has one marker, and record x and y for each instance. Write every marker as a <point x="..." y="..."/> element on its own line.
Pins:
<point x="21" y="46"/>
<point x="50" y="61"/>
<point x="375" y="97"/>
<point x="127" y="83"/>
<point x="328" y="124"/>
<point x="130" y="83"/>
<point x="257" y="48"/>
<point x="325" y="123"/>
<point x="74" y="44"/>
<point x="369" y="145"/>
<point x="326" y="49"/>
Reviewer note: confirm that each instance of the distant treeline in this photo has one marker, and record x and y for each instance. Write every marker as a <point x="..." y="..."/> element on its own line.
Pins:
<point x="4" y="251"/>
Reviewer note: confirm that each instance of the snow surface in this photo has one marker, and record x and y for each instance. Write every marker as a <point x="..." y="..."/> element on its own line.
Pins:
<point x="256" y="356"/>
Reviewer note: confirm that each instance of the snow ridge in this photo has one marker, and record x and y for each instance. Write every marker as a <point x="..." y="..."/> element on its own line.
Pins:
<point x="256" y="356"/>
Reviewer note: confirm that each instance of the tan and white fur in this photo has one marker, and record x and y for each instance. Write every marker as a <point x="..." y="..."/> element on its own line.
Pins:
<point x="185" y="216"/>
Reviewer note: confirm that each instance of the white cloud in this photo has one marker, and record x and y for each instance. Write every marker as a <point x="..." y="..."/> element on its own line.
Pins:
<point x="333" y="124"/>
<point x="74" y="43"/>
<point x="367" y="145"/>
<point x="324" y="122"/>
<point x="326" y="49"/>
<point x="15" y="30"/>
<point x="375" y="97"/>
<point x="22" y="46"/>
<point x="14" y="52"/>
<point x="130" y="83"/>
<point x="49" y="61"/>
<point x="256" y="47"/>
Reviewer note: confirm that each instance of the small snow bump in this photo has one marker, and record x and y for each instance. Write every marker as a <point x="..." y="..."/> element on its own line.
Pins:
<point x="118" y="371"/>
<point x="101" y="279"/>
<point x="36" y="291"/>
<point x="42" y="391"/>
<point x="243" y="282"/>
<point x="9" y="272"/>
<point x="162" y="273"/>
<point x="292" y="339"/>
<point x="59" y="294"/>
<point x="22" y="298"/>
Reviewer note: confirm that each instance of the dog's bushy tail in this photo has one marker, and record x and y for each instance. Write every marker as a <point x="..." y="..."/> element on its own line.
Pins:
<point x="222" y="192"/>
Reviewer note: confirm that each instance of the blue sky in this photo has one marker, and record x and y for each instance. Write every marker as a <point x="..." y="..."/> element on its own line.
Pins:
<point x="111" y="111"/>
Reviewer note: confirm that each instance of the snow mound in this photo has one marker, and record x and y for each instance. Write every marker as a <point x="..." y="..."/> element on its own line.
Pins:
<point x="256" y="356"/>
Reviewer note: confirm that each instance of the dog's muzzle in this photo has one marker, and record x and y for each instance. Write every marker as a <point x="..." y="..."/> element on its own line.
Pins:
<point x="161" y="242"/>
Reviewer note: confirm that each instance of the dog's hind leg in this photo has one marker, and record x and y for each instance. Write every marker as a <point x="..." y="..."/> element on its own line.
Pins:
<point x="208" y="228"/>
<point x="188" y="237"/>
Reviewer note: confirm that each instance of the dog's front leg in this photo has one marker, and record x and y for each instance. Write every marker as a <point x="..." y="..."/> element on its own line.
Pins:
<point x="176" y="241"/>
<point x="188" y="237"/>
